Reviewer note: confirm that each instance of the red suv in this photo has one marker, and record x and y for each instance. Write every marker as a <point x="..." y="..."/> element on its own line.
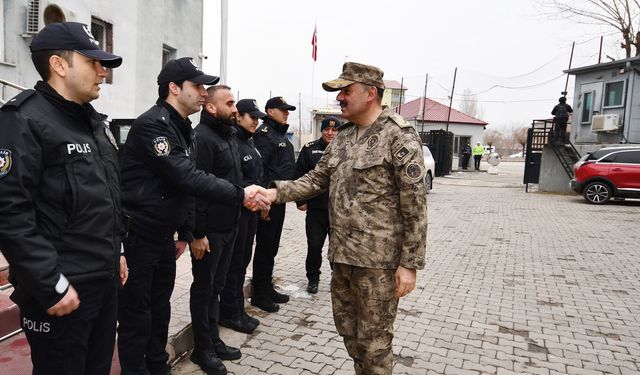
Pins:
<point x="608" y="172"/>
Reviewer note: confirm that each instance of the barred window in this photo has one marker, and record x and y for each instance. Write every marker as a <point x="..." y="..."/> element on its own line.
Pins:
<point x="103" y="32"/>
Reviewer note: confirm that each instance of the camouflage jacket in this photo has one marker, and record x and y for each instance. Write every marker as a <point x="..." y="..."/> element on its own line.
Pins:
<point x="377" y="196"/>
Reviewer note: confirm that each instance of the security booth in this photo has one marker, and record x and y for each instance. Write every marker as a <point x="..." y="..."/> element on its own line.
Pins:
<point x="440" y="142"/>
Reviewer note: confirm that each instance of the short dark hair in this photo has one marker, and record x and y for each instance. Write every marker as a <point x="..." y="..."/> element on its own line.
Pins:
<point x="41" y="61"/>
<point x="163" y="89"/>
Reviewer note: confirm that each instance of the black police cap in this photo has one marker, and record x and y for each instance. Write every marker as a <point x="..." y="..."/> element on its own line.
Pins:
<point x="250" y="106"/>
<point x="73" y="36"/>
<point x="280" y="103"/>
<point x="184" y="69"/>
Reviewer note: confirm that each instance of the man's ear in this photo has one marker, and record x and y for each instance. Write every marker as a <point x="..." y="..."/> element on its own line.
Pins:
<point x="210" y="108"/>
<point x="174" y="89"/>
<point x="58" y="65"/>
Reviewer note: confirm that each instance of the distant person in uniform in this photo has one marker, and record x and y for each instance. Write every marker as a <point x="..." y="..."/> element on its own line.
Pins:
<point x="478" y="151"/>
<point x="466" y="155"/>
<point x="560" y="118"/>
<point x="317" y="208"/>
<point x="160" y="182"/>
<point x="60" y="211"/>
<point x="279" y="162"/>
<point x="374" y="171"/>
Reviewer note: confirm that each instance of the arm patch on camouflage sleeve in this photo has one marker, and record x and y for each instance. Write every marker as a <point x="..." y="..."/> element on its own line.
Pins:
<point x="414" y="171"/>
<point x="401" y="154"/>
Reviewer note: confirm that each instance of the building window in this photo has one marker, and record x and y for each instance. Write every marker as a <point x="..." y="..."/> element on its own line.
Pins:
<point x="168" y="54"/>
<point x="587" y="107"/>
<point x="613" y="93"/>
<point x="103" y="32"/>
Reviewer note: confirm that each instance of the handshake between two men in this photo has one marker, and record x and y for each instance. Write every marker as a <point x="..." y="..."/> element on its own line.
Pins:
<point x="258" y="198"/>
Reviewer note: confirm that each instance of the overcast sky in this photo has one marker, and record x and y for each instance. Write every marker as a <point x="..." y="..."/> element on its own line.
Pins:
<point x="509" y="43"/>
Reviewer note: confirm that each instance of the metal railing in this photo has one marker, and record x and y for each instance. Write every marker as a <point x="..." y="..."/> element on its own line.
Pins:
<point x="6" y="83"/>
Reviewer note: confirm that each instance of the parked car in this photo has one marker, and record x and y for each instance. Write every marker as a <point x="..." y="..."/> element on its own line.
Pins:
<point x="430" y="166"/>
<point x="606" y="173"/>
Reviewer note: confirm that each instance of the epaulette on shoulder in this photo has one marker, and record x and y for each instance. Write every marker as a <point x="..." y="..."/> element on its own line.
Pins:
<point x="399" y="120"/>
<point x="18" y="100"/>
<point x="312" y="143"/>
<point x="264" y="129"/>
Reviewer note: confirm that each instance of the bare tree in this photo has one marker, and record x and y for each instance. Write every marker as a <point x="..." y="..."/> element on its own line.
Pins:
<point x="622" y="15"/>
<point x="491" y="137"/>
<point x="469" y="104"/>
<point x="521" y="135"/>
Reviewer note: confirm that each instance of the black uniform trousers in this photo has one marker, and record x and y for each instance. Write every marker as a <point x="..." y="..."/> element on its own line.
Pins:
<point x="560" y="125"/>
<point x="317" y="227"/>
<point x="232" y="297"/>
<point x="476" y="162"/>
<point x="209" y="276"/>
<point x="77" y="343"/>
<point x="145" y="310"/>
<point x="465" y="161"/>
<point x="267" y="243"/>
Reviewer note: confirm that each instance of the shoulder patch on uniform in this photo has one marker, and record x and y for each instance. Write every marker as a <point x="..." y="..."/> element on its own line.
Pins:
<point x="5" y="162"/>
<point x="399" y="120"/>
<point x="413" y="170"/>
<point x="309" y="144"/>
<point x="265" y="129"/>
<point x="161" y="146"/>
<point x="17" y="100"/>
<point x="401" y="154"/>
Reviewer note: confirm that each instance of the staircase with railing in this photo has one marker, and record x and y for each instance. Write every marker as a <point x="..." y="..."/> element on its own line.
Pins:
<point x="5" y="84"/>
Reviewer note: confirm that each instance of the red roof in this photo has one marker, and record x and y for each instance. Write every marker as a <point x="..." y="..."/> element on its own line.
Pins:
<point x="435" y="112"/>
<point x="390" y="84"/>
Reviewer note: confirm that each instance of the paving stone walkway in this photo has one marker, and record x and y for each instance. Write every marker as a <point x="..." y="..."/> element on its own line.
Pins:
<point x="515" y="283"/>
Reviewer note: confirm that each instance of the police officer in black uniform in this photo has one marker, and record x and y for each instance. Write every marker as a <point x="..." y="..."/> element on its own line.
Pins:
<point x="60" y="216"/>
<point x="278" y="160"/>
<point x="215" y="226"/>
<point x="159" y="181"/>
<point x="232" y="312"/>
<point x="317" y="220"/>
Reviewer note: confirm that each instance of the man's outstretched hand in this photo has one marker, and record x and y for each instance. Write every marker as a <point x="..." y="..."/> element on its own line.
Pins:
<point x="254" y="198"/>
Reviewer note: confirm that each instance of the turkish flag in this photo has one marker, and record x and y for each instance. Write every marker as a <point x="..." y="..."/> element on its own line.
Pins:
<point x="314" y="44"/>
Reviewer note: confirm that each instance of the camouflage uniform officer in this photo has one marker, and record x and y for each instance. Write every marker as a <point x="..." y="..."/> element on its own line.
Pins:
<point x="374" y="172"/>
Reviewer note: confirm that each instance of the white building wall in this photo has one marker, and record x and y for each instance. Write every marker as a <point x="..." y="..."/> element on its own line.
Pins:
<point x="140" y="28"/>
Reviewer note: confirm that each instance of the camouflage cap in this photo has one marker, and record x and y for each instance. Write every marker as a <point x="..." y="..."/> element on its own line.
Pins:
<point x="354" y="72"/>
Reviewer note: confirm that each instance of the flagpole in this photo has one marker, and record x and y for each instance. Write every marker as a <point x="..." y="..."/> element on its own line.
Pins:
<point x="314" y="55"/>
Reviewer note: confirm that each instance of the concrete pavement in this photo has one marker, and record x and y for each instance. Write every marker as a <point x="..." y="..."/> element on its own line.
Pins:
<point x="515" y="283"/>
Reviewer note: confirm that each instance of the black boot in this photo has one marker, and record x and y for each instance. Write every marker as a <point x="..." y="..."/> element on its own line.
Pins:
<point x="208" y="362"/>
<point x="264" y="302"/>
<point x="238" y="324"/>
<point x="278" y="297"/>
<point x="250" y="318"/>
<point x="225" y="352"/>
<point x="312" y="288"/>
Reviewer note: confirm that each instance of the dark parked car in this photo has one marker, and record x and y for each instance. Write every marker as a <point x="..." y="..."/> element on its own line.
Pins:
<point x="608" y="172"/>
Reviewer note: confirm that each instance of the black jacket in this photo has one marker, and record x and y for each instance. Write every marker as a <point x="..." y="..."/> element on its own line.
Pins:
<point x="250" y="159"/>
<point x="217" y="153"/>
<point x="159" y="175"/>
<point x="310" y="155"/>
<point x="59" y="195"/>
<point x="278" y="158"/>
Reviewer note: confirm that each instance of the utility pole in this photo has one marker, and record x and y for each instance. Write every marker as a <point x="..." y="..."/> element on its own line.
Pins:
<point x="455" y="73"/>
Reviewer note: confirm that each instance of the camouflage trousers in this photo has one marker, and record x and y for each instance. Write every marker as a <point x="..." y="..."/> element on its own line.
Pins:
<point x="364" y="310"/>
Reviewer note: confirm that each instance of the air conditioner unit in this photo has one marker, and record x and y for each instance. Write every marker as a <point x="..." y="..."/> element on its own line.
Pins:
<point x="33" y="17"/>
<point x="604" y="123"/>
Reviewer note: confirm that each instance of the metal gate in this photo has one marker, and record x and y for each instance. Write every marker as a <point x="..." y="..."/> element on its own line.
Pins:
<point x="537" y="137"/>
<point x="440" y="143"/>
